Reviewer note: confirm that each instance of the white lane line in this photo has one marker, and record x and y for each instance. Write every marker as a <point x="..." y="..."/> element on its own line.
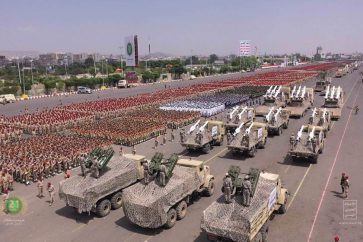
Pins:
<point x="215" y="156"/>
<point x="332" y="168"/>
<point x="298" y="188"/>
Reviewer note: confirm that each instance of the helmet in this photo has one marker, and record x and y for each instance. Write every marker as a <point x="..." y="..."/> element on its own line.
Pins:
<point x="247" y="177"/>
<point x="227" y="174"/>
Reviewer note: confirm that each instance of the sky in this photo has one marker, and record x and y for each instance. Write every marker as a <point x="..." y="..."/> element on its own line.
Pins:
<point x="198" y="27"/>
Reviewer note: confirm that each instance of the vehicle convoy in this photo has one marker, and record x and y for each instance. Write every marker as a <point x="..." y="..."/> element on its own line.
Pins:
<point x="333" y="101"/>
<point x="301" y="99"/>
<point x="276" y="96"/>
<point x="164" y="198"/>
<point x="90" y="192"/>
<point x="237" y="116"/>
<point x="277" y="120"/>
<point x="248" y="138"/>
<point x="211" y="133"/>
<point x="321" y="117"/>
<point x="309" y="143"/>
<point x="321" y="85"/>
<point x="234" y="221"/>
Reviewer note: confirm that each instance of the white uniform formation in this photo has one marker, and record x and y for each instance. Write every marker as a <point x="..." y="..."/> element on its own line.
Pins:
<point x="206" y="109"/>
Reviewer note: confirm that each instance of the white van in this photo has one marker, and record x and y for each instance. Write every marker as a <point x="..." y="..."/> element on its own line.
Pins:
<point x="84" y="90"/>
<point x="122" y="84"/>
<point x="9" y="98"/>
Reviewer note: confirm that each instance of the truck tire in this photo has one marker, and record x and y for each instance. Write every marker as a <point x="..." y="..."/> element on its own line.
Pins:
<point x="116" y="201"/>
<point x="262" y="144"/>
<point x="210" y="189"/>
<point x="252" y="152"/>
<point x="181" y="210"/>
<point x="314" y="160"/>
<point x="171" y="218"/>
<point x="264" y="232"/>
<point x="282" y="209"/>
<point x="286" y="125"/>
<point x="322" y="148"/>
<point x="103" y="208"/>
<point x="222" y="141"/>
<point x="279" y="131"/>
<point x="258" y="237"/>
<point x="206" y="148"/>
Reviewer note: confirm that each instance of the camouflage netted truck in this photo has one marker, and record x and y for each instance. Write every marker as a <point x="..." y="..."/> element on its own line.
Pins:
<point x="248" y="139"/>
<point x="321" y="117"/>
<point x="238" y="115"/>
<point x="232" y="221"/>
<point x="87" y="193"/>
<point x="211" y="133"/>
<point x="309" y="143"/>
<point x="334" y="100"/>
<point x="152" y="205"/>
<point x="276" y="96"/>
<point x="301" y="99"/>
<point x="277" y="120"/>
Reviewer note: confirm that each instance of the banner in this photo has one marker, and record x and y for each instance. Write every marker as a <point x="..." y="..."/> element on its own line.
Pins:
<point x="130" y="51"/>
<point x="245" y="48"/>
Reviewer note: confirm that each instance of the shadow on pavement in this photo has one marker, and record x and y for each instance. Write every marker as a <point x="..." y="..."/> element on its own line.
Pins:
<point x="126" y="224"/>
<point x="201" y="238"/>
<point x="71" y="213"/>
<point x="296" y="162"/>
<point x="338" y="194"/>
<point x="235" y="156"/>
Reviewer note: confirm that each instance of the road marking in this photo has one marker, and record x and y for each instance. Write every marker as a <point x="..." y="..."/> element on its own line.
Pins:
<point x="215" y="156"/>
<point x="78" y="228"/>
<point x="332" y="168"/>
<point x="298" y="188"/>
<point x="288" y="167"/>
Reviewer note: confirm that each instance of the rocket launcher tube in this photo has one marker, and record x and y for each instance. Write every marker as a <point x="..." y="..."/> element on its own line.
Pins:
<point x="300" y="133"/>
<point x="238" y="130"/>
<point x="293" y="91"/>
<point x="277" y="92"/>
<point x="303" y="92"/>
<point x="248" y="130"/>
<point x="234" y="110"/>
<point x="311" y="134"/>
<point x="278" y="113"/>
<point x="327" y="92"/>
<point x="332" y="92"/>
<point x="240" y="114"/>
<point x="298" y="92"/>
<point x="194" y="127"/>
<point x="268" y="116"/>
<point x="338" y="93"/>
<point x="269" y="90"/>
<point x="201" y="129"/>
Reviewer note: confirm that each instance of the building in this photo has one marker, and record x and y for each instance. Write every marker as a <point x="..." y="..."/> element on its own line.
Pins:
<point x="3" y="61"/>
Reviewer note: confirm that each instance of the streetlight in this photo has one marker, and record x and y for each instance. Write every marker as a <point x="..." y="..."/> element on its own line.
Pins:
<point x="121" y="48"/>
<point x="65" y="65"/>
<point x="31" y="69"/>
<point x="17" y="58"/>
<point x="103" y="77"/>
<point x="94" y="63"/>
<point x="191" y="61"/>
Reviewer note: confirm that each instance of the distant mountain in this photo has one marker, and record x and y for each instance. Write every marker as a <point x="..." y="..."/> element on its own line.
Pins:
<point x="14" y="53"/>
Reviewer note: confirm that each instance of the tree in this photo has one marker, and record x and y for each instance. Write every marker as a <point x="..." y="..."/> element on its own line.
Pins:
<point x="213" y="58"/>
<point x="89" y="62"/>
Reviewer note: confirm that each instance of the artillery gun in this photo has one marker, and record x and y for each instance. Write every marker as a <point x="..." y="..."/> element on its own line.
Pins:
<point x="301" y="99"/>
<point x="152" y="205"/>
<point x="209" y="134"/>
<point x="249" y="139"/>
<point x="238" y="116"/>
<point x="276" y="96"/>
<point x="309" y="143"/>
<point x="334" y="100"/>
<point x="234" y="222"/>
<point x="321" y="117"/>
<point x="99" y="194"/>
<point x="277" y="120"/>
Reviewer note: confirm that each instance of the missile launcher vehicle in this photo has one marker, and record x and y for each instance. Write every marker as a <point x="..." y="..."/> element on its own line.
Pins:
<point x="277" y="120"/>
<point x="321" y="117"/>
<point x="334" y="101"/>
<point x="276" y="96"/>
<point x="301" y="99"/>
<point x="237" y="116"/>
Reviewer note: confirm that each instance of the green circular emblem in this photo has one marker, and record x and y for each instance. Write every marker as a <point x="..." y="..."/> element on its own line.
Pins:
<point x="13" y="205"/>
<point x="129" y="48"/>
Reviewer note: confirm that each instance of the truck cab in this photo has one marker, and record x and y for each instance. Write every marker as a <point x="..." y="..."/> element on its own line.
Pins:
<point x="139" y="159"/>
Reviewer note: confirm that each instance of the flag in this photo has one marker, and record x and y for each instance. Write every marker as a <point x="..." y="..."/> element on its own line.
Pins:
<point x="245" y="48"/>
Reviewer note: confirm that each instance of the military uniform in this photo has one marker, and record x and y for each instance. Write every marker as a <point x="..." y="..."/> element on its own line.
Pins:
<point x="227" y="188"/>
<point x="162" y="175"/>
<point x="246" y="192"/>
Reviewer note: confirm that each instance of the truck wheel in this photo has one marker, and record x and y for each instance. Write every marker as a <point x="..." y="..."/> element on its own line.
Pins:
<point x="210" y="189"/>
<point x="181" y="210"/>
<point x="286" y="125"/>
<point x="103" y="208"/>
<point x="322" y="148"/>
<point x="116" y="201"/>
<point x="258" y="237"/>
<point x="264" y="232"/>
<point x="206" y="148"/>
<point x="221" y="142"/>
<point x="279" y="131"/>
<point x="282" y="209"/>
<point x="252" y="152"/>
<point x="262" y="144"/>
<point x="314" y="160"/>
<point x="171" y="218"/>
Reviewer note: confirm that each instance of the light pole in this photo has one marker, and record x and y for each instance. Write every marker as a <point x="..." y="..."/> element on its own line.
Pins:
<point x="20" y="81"/>
<point x="94" y="63"/>
<point x="65" y="65"/>
<point x="103" y="77"/>
<point x="31" y="70"/>
<point x="191" y="61"/>
<point x="121" y="65"/>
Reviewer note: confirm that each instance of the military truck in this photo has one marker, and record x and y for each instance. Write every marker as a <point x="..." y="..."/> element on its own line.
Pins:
<point x="303" y="146"/>
<point x="211" y="133"/>
<point x="276" y="96"/>
<point x="248" y="139"/>
<point x="233" y="221"/>
<point x="301" y="99"/>
<point x="237" y="116"/>
<point x="87" y="193"/>
<point x="321" y="85"/>
<point x="151" y="205"/>
<point x="334" y="100"/>
<point x="321" y="117"/>
<point x="277" y="120"/>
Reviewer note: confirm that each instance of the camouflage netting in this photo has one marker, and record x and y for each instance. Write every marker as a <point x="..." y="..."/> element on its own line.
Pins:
<point x="147" y="205"/>
<point x="83" y="192"/>
<point x="233" y="221"/>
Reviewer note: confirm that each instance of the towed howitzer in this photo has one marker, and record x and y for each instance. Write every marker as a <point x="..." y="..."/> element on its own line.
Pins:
<point x="233" y="111"/>
<point x="238" y="130"/>
<point x="194" y="126"/>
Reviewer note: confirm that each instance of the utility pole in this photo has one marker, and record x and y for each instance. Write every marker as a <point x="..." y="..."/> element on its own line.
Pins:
<point x="121" y="65"/>
<point x="31" y="69"/>
<point x="94" y="63"/>
<point x="103" y="77"/>
<point x="191" y="61"/>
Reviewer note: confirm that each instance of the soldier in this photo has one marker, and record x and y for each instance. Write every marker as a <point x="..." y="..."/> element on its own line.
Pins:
<point x="292" y="141"/>
<point x="342" y="180"/>
<point x="246" y="191"/>
<point x="145" y="165"/>
<point x="182" y="136"/>
<point x="133" y="150"/>
<point x="229" y="137"/>
<point x="94" y="168"/>
<point x="164" y="139"/>
<point x="83" y="165"/>
<point x="311" y="120"/>
<point x="356" y="109"/>
<point x="172" y="137"/>
<point x="162" y="175"/>
<point x="40" y="187"/>
<point x="51" y="191"/>
<point x="313" y="143"/>
<point x="346" y="186"/>
<point x="227" y="188"/>
<point x="156" y="142"/>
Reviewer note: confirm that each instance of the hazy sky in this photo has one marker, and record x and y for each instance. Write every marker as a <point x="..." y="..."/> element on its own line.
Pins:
<point x="177" y="27"/>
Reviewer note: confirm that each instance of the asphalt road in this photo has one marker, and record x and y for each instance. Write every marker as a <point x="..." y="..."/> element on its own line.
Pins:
<point x="315" y="207"/>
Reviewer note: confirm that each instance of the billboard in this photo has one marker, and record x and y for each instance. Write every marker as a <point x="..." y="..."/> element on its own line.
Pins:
<point x="131" y="51"/>
<point x="245" y="48"/>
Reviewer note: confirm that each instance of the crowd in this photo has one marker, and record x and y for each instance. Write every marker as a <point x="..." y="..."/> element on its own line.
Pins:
<point x="206" y="108"/>
<point x="9" y="133"/>
<point x="42" y="156"/>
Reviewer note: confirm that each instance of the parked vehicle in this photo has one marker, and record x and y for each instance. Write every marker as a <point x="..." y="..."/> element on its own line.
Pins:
<point x="122" y="84"/>
<point x="84" y="90"/>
